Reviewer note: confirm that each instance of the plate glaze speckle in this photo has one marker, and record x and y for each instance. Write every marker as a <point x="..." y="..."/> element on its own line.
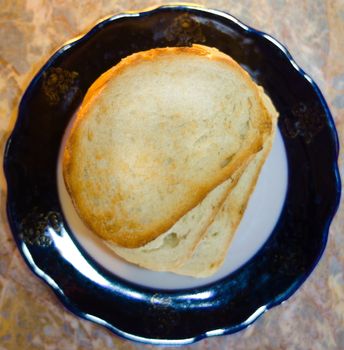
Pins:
<point x="171" y="316"/>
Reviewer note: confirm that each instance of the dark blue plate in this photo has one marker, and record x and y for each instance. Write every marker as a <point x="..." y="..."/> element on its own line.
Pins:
<point x="178" y="316"/>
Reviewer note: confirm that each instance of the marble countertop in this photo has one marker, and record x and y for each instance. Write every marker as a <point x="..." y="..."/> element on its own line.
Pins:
<point x="30" y="315"/>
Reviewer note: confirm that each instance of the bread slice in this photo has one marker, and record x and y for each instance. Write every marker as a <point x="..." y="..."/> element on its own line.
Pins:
<point x="154" y="135"/>
<point x="176" y="246"/>
<point x="211" y="252"/>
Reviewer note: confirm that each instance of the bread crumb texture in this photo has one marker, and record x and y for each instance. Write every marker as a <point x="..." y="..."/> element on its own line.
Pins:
<point x="155" y="134"/>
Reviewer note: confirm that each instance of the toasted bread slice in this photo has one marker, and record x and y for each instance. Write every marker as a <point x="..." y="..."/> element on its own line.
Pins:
<point x="154" y="135"/>
<point x="211" y="252"/>
<point x="176" y="246"/>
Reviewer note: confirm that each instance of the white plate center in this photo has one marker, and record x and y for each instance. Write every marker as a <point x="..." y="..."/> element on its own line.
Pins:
<point x="258" y="222"/>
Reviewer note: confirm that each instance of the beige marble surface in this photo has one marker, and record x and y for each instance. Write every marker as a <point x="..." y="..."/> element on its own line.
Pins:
<point x="30" y="315"/>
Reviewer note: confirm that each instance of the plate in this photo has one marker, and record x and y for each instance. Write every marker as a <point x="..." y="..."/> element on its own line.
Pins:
<point x="179" y="311"/>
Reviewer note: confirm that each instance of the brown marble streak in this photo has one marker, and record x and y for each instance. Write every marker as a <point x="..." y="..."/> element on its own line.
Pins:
<point x="30" y="315"/>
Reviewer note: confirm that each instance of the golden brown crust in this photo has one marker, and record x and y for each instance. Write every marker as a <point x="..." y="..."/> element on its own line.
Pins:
<point x="140" y="237"/>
